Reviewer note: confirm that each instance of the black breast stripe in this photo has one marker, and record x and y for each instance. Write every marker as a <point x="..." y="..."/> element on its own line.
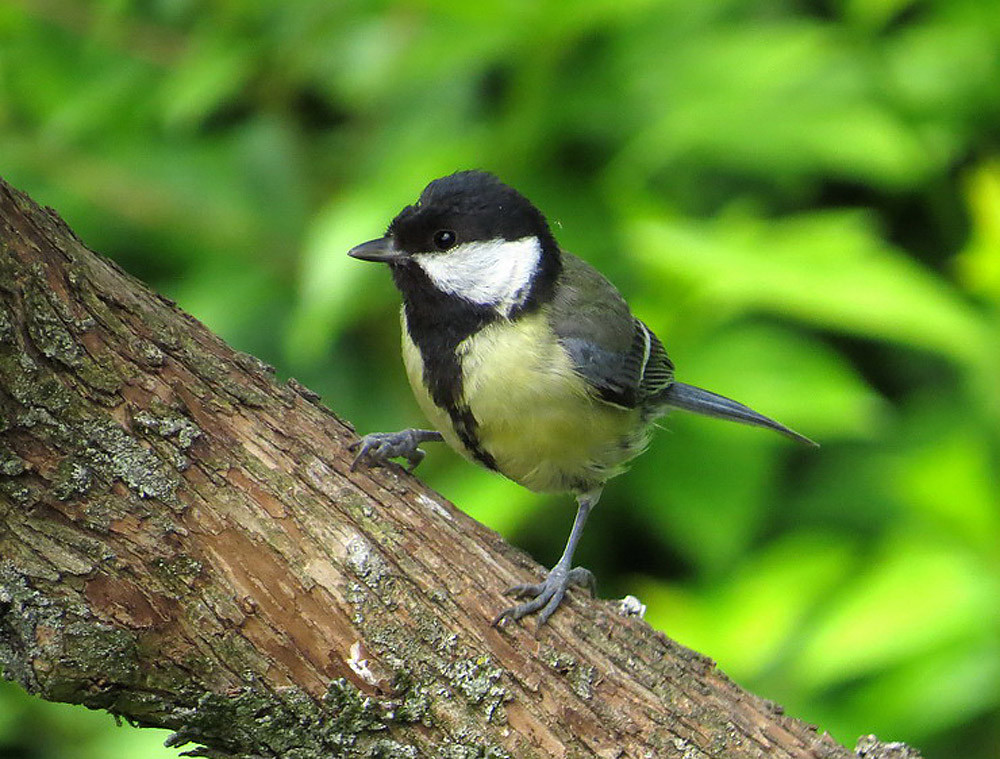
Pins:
<point x="437" y="324"/>
<point x="466" y="427"/>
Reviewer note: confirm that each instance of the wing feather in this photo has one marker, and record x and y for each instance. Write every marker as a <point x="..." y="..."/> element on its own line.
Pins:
<point x="618" y="355"/>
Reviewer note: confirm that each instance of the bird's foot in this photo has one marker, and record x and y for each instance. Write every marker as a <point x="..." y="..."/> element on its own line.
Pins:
<point x="379" y="447"/>
<point x="546" y="595"/>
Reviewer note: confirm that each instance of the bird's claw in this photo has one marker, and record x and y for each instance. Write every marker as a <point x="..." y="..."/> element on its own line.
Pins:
<point x="379" y="447"/>
<point x="546" y="595"/>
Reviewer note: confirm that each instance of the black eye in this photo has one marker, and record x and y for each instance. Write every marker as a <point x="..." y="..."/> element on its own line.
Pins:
<point x="444" y="239"/>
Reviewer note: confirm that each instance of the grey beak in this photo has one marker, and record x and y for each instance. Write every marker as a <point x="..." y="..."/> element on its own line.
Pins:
<point x="382" y="250"/>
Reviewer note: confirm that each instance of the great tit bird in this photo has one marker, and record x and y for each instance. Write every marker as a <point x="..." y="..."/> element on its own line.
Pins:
<point x="525" y="358"/>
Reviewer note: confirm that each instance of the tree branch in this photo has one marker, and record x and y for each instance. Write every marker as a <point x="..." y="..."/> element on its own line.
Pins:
<point x="183" y="544"/>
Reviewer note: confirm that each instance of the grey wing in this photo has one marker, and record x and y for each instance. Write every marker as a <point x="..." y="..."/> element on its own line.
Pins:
<point x="618" y="355"/>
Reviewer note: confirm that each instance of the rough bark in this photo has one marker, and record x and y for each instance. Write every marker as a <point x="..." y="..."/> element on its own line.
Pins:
<point x="182" y="543"/>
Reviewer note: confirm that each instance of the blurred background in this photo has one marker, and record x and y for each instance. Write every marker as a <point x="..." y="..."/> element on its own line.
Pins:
<point x="802" y="198"/>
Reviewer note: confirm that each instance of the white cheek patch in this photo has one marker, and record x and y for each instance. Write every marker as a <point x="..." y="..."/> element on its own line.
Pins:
<point x="492" y="272"/>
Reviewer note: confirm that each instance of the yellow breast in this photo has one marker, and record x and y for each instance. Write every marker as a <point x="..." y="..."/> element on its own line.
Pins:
<point x="536" y="416"/>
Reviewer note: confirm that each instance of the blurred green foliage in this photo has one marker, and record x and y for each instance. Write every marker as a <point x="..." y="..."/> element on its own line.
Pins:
<point x="802" y="198"/>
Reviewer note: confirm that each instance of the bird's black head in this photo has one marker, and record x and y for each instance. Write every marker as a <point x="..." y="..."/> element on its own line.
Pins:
<point x="473" y="206"/>
<point x="470" y="237"/>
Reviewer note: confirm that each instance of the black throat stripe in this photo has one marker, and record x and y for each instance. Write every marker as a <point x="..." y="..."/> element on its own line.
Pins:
<point x="437" y="324"/>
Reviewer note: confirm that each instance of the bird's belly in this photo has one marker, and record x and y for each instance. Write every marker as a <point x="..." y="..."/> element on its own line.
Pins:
<point x="536" y="416"/>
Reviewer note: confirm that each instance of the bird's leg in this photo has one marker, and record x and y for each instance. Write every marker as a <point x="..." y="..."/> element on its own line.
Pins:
<point x="379" y="447"/>
<point x="548" y="594"/>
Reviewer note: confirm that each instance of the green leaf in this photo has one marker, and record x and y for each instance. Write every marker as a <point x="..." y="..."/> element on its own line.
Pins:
<point x="212" y="72"/>
<point x="334" y="288"/>
<point x="919" y="593"/>
<point x="778" y="98"/>
<point x="799" y="381"/>
<point x="949" y="479"/>
<point x="925" y="695"/>
<point x="749" y="619"/>
<point x="699" y="474"/>
<point x="828" y="269"/>
<point x="979" y="264"/>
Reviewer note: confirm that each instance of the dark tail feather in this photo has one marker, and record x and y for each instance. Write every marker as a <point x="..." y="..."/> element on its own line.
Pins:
<point x="691" y="398"/>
